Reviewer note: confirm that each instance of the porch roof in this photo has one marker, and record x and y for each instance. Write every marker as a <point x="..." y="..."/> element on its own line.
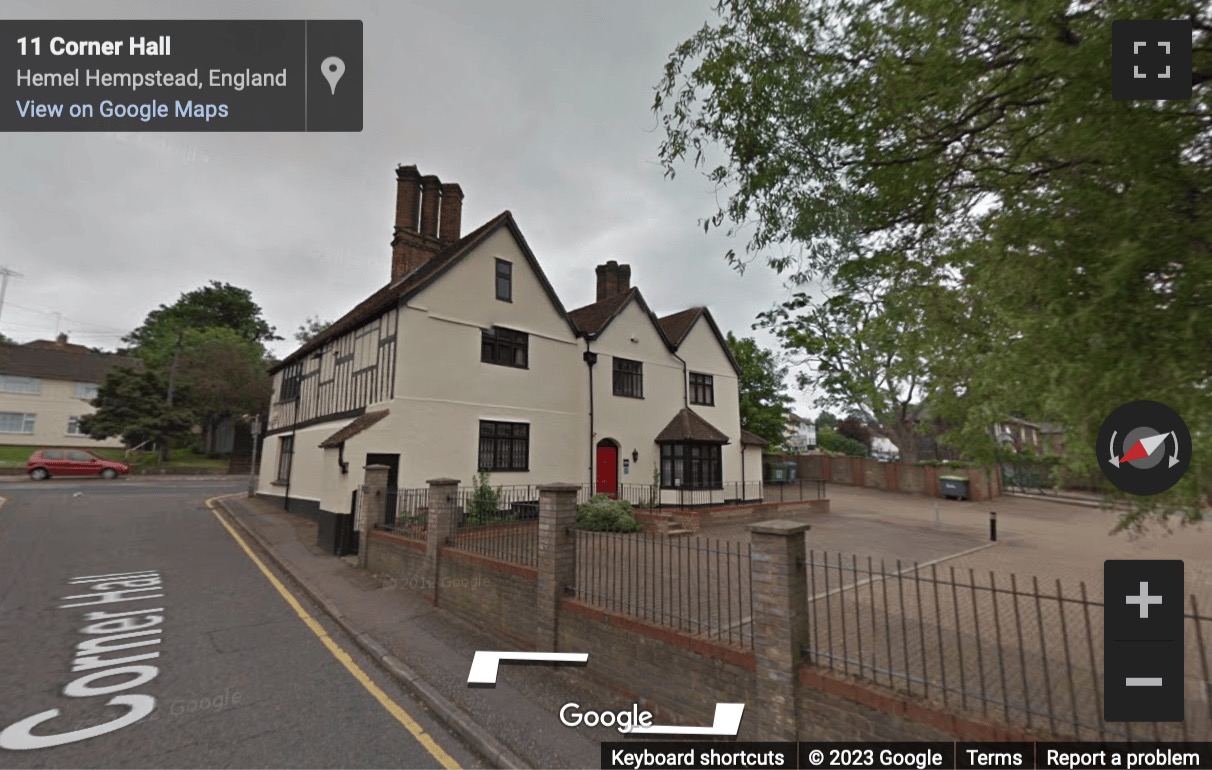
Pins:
<point x="353" y="429"/>
<point x="687" y="425"/>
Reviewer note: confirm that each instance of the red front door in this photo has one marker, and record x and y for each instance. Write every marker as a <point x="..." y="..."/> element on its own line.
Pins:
<point x="608" y="470"/>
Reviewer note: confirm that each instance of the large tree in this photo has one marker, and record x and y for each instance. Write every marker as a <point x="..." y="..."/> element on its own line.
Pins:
<point x="217" y="305"/>
<point x="979" y="143"/>
<point x="223" y="374"/>
<point x="310" y="328"/>
<point x="131" y="404"/>
<point x="206" y="350"/>
<point x="763" y="391"/>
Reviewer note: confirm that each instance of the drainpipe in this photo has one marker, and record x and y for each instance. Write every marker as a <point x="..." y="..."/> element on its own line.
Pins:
<point x="590" y="359"/>
<point x="685" y="383"/>
<point x="290" y="472"/>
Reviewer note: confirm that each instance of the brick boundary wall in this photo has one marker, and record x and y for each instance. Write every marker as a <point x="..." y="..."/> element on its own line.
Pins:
<point x="677" y="676"/>
<point x="835" y="708"/>
<point x="695" y="519"/>
<point x="983" y="483"/>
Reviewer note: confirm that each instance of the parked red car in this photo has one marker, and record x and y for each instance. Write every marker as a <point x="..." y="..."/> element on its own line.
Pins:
<point x="45" y="463"/>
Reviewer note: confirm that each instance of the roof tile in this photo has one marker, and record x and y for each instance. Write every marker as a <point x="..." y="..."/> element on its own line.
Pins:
<point x="354" y="428"/>
<point x="687" y="425"/>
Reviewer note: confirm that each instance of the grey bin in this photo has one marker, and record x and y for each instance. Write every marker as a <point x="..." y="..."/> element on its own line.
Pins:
<point x="792" y="469"/>
<point x="953" y="486"/>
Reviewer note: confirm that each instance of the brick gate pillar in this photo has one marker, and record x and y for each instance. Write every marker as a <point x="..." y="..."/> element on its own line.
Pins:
<point x="780" y="623"/>
<point x="370" y="511"/>
<point x="557" y="557"/>
<point x="441" y="523"/>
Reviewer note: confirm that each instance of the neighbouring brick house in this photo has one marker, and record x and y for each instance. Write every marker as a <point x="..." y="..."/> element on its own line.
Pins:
<point x="46" y="386"/>
<point x="467" y="361"/>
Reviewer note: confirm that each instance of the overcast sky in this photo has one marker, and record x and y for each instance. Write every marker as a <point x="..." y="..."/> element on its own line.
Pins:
<point x="543" y="108"/>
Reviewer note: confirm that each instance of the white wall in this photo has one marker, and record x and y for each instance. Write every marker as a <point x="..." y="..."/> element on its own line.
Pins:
<point x="704" y="355"/>
<point x="443" y="389"/>
<point x="52" y="407"/>
<point x="633" y="422"/>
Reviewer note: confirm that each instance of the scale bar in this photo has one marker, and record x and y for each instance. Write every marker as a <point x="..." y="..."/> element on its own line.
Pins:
<point x="1144" y="681"/>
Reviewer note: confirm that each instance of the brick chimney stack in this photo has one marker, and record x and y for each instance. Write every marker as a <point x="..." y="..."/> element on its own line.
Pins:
<point x="451" y="219"/>
<point x="613" y="279"/>
<point x="423" y="204"/>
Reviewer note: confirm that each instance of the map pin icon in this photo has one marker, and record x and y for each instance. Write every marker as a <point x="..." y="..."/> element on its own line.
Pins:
<point x="333" y="68"/>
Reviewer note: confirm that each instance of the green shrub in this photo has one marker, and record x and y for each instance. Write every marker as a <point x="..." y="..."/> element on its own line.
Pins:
<point x="484" y="503"/>
<point x="830" y="440"/>
<point x="601" y="514"/>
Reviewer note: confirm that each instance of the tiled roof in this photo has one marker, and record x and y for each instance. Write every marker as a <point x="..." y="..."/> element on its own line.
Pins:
<point x="60" y="363"/>
<point x="391" y="294"/>
<point x="353" y="429"/>
<point x="677" y="325"/>
<point x="753" y="439"/>
<point x="687" y="425"/>
<point x="592" y="319"/>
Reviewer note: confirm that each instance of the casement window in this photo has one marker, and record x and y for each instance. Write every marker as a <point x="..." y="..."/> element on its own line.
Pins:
<point x="73" y="426"/>
<point x="628" y="378"/>
<point x="702" y="389"/>
<point x="504" y="347"/>
<point x="504" y="446"/>
<point x="10" y="383"/>
<point x="286" y="453"/>
<point x="16" y="422"/>
<point x="292" y="377"/>
<point x="504" y="279"/>
<point x="691" y="465"/>
<point x="86" y="390"/>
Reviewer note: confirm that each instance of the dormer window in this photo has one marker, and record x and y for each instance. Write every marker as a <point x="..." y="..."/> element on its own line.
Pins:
<point x="504" y="281"/>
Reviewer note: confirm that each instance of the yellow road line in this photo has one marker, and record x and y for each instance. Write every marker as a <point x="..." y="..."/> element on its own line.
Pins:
<point x="340" y="654"/>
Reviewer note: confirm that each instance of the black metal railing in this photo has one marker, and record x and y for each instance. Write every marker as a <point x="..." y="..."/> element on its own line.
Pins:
<point x="793" y="490"/>
<point x="406" y="513"/>
<point x="1011" y="650"/>
<point x="696" y="585"/>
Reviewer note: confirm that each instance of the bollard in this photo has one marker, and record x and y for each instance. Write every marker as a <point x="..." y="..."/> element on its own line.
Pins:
<point x="993" y="526"/>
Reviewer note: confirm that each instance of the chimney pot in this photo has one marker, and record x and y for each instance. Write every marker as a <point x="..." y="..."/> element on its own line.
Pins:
<point x="451" y="216"/>
<point x="61" y="339"/>
<point x="431" y="201"/>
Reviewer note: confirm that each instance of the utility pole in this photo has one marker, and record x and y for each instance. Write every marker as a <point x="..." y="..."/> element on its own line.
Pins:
<point x="252" y="462"/>
<point x="5" y="273"/>
<point x="172" y="385"/>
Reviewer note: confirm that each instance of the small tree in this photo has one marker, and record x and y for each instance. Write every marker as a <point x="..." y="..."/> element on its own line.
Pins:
<point x="484" y="503"/>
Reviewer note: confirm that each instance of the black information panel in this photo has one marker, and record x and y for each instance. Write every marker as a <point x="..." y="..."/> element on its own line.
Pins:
<point x="1143" y="640"/>
<point x="876" y="755"/>
<point x="181" y="75"/>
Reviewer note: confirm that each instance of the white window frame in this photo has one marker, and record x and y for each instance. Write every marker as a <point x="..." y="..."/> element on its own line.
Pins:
<point x="27" y="423"/>
<point x="87" y="390"/>
<point x="74" y="421"/>
<point x="12" y="383"/>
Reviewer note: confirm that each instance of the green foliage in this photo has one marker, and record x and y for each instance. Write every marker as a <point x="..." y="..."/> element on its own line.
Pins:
<point x="826" y="419"/>
<point x="980" y="213"/>
<point x="946" y="464"/>
<point x="484" y="505"/>
<point x="208" y="345"/>
<point x="601" y="514"/>
<point x="131" y="404"/>
<point x="763" y="394"/>
<point x="310" y="328"/>
<point x="830" y="440"/>
<point x="218" y="305"/>
<point x="855" y="429"/>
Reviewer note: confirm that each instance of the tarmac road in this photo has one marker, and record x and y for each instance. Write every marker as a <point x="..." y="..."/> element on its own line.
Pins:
<point x="233" y="674"/>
